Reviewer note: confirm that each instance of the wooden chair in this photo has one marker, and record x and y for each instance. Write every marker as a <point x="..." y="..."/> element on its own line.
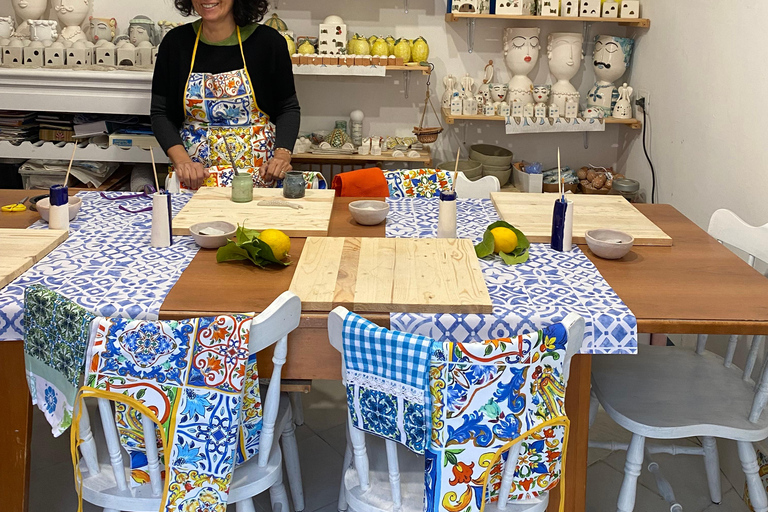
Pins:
<point x="394" y="482"/>
<point x="674" y="393"/>
<point x="104" y="476"/>
<point x="480" y="189"/>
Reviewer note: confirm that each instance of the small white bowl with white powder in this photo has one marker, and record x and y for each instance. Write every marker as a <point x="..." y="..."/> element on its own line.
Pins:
<point x="369" y="213"/>
<point x="212" y="235"/>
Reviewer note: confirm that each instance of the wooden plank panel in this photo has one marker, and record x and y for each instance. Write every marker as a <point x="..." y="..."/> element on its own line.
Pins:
<point x="532" y="214"/>
<point x="212" y="204"/>
<point x="383" y="275"/>
<point x="22" y="248"/>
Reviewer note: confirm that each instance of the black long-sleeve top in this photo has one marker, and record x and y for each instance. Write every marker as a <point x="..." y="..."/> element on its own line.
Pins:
<point x="269" y="66"/>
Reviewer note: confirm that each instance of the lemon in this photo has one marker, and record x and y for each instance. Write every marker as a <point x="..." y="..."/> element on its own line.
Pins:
<point x="278" y="241"/>
<point x="403" y="50"/>
<point x="504" y="239"/>
<point x="306" y="48"/>
<point x="380" y="48"/>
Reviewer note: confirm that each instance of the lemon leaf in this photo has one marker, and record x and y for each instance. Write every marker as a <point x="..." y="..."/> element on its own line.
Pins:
<point x="518" y="256"/>
<point x="485" y="248"/>
<point x="243" y="234"/>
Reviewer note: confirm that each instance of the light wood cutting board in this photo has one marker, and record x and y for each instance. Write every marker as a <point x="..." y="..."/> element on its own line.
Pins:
<point x="532" y="214"/>
<point x="391" y="275"/>
<point x="22" y="248"/>
<point x="212" y="204"/>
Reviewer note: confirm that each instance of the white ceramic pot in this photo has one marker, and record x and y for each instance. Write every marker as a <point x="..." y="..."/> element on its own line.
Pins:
<point x="564" y="51"/>
<point x="521" y="54"/>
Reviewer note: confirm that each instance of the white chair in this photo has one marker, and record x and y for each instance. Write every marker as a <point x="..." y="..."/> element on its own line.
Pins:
<point x="394" y="482"/>
<point x="480" y="189"/>
<point x="674" y="393"/>
<point x="104" y="476"/>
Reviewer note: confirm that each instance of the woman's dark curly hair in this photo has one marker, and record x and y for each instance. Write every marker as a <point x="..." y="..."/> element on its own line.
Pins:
<point x="245" y="11"/>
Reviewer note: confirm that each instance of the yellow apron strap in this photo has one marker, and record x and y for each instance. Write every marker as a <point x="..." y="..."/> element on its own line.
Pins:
<point x="191" y="67"/>
<point x="245" y="68"/>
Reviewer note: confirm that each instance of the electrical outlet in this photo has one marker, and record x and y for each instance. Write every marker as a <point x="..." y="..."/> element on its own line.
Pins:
<point x="642" y="94"/>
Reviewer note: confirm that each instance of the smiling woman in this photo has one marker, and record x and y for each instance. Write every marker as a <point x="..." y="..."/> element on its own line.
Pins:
<point x="223" y="95"/>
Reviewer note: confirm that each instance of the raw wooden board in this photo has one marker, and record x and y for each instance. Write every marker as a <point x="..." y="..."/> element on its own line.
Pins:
<point x="391" y="275"/>
<point x="22" y="248"/>
<point x="532" y="214"/>
<point x="212" y="204"/>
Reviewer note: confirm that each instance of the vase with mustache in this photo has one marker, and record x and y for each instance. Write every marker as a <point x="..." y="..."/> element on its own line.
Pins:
<point x="565" y="55"/>
<point x="521" y="54"/>
<point x="610" y="59"/>
<point x="71" y="15"/>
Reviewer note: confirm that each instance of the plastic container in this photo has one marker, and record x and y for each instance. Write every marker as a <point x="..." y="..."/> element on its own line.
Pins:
<point x="524" y="182"/>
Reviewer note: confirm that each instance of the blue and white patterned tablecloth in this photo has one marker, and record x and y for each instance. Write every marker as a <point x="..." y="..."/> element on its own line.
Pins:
<point x="107" y="264"/>
<point x="526" y="297"/>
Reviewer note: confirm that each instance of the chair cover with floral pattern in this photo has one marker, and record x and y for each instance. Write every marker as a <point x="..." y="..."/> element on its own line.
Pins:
<point x="418" y="182"/>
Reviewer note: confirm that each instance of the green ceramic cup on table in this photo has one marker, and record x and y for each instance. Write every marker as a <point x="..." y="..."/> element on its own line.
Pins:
<point x="242" y="188"/>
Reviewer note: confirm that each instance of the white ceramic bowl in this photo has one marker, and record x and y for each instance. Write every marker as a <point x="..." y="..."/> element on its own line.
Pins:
<point x="609" y="244"/>
<point x="369" y="213"/>
<point x="44" y="207"/>
<point x="212" y="241"/>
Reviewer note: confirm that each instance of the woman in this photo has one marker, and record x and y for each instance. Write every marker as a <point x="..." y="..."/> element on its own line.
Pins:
<point x="223" y="90"/>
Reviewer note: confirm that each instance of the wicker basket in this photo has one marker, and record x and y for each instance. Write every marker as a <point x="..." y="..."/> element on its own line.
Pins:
<point x="427" y="135"/>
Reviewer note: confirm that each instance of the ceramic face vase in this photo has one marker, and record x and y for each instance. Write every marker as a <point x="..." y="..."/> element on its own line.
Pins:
<point x="521" y="54"/>
<point x="498" y="92"/>
<point x="610" y="60"/>
<point x="564" y="53"/>
<point x="541" y="93"/>
<point x="43" y="30"/>
<point x="103" y="29"/>
<point x="141" y="29"/>
<point x="71" y="14"/>
<point x="6" y="27"/>
<point x="26" y="10"/>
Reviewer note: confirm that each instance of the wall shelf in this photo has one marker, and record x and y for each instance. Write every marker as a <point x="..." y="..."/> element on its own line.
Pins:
<point x="62" y="151"/>
<point x="634" y="124"/>
<point x="627" y="22"/>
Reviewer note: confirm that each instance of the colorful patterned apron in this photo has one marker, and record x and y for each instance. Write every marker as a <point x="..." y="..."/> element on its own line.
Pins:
<point x="223" y="117"/>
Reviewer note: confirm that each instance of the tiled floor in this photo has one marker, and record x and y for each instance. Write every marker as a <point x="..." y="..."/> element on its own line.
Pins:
<point x="321" y="448"/>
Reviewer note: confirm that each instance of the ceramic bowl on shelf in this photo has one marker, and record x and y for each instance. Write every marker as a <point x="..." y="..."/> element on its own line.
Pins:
<point x="212" y="235"/>
<point x="44" y="207"/>
<point x="488" y="154"/>
<point x="502" y="175"/>
<point x="609" y="244"/>
<point x="369" y="213"/>
<point x="472" y="170"/>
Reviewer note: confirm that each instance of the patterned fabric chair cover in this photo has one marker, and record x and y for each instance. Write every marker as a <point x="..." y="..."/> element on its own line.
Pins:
<point x="418" y="182"/>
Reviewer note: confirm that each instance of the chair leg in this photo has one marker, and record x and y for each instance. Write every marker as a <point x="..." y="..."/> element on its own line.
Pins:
<point x="297" y="406"/>
<point x="278" y="497"/>
<point x="594" y="406"/>
<point x="751" y="469"/>
<point x="245" y="505"/>
<point x="292" y="466"/>
<point x="712" y="465"/>
<point x="632" y="469"/>
<point x="347" y="461"/>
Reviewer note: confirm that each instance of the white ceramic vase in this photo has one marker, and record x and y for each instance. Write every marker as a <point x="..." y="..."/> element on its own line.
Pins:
<point x="26" y="10"/>
<point x="623" y="108"/>
<point x="102" y="29"/>
<point x="565" y="56"/>
<point x="610" y="60"/>
<point x="71" y="15"/>
<point x="141" y="29"/>
<point x="521" y="54"/>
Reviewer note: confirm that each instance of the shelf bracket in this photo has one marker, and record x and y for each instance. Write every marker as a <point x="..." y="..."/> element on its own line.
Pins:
<point x="407" y="78"/>
<point x="471" y="34"/>
<point x="586" y="140"/>
<point x="406" y="6"/>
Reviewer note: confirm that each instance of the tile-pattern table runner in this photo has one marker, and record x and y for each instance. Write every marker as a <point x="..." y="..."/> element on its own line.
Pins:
<point x="484" y="396"/>
<point x="200" y="384"/>
<point x="107" y="264"/>
<point x="526" y="297"/>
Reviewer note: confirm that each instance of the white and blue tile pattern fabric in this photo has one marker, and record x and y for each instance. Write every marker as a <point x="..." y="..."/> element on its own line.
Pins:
<point x="526" y="297"/>
<point x="107" y="264"/>
<point x="387" y="379"/>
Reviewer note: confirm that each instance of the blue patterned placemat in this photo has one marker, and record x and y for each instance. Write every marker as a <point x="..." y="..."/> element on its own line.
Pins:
<point x="526" y="297"/>
<point x="107" y="264"/>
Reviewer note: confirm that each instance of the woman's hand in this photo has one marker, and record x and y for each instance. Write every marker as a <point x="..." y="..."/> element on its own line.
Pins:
<point x="277" y="167"/>
<point x="192" y="174"/>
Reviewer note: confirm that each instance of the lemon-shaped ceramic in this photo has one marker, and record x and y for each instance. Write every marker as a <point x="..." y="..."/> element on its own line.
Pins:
<point x="403" y="50"/>
<point x="420" y="51"/>
<point x="291" y="44"/>
<point x="380" y="48"/>
<point x="390" y="44"/>
<point x="306" y="48"/>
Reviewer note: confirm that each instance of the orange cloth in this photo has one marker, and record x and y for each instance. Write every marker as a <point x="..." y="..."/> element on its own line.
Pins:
<point x="361" y="183"/>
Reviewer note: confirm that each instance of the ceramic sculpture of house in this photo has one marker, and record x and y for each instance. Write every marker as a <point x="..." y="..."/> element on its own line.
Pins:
<point x="54" y="55"/>
<point x="465" y="6"/>
<point x="515" y="7"/>
<point x="550" y="8"/>
<point x="333" y="36"/>
<point x="610" y="9"/>
<point x="106" y="54"/>
<point x="33" y="54"/>
<point x="590" y="8"/>
<point x="570" y="8"/>
<point x="630" y="9"/>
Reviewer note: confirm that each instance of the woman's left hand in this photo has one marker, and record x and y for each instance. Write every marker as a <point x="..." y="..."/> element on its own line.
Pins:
<point x="277" y="167"/>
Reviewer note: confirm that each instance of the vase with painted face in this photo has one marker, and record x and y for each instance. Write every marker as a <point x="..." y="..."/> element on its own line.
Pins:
<point x="26" y="10"/>
<point x="141" y="28"/>
<point x="521" y="54"/>
<point x="103" y="30"/>
<point x="44" y="31"/>
<point x="565" y="55"/>
<point x="71" y="15"/>
<point x="6" y="27"/>
<point x="541" y="93"/>
<point x="610" y="60"/>
<point x="498" y="92"/>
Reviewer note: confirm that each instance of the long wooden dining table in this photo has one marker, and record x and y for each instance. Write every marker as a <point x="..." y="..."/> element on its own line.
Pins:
<point x="695" y="286"/>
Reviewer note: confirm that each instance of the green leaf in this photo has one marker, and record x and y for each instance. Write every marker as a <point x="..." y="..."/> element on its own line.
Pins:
<point x="488" y="350"/>
<point x="248" y="247"/>
<point x="231" y="252"/>
<point x="451" y="457"/>
<point x="487" y="246"/>
<point x="141" y="393"/>
<point x="516" y="257"/>
<point x="243" y="234"/>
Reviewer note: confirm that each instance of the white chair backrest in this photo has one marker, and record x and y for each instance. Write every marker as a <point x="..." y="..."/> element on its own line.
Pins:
<point x="575" y="326"/>
<point x="728" y="228"/>
<point x="480" y="189"/>
<point x="271" y="327"/>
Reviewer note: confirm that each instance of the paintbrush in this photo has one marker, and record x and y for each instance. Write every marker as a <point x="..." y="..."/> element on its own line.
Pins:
<point x="231" y="159"/>
<point x="71" y="161"/>
<point x="560" y="184"/>
<point x="154" y="168"/>
<point x="456" y="170"/>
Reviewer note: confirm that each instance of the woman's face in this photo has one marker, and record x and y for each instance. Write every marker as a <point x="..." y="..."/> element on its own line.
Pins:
<point x="214" y="10"/>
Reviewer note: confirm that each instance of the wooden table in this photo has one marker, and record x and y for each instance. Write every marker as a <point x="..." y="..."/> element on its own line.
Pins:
<point x="695" y="286"/>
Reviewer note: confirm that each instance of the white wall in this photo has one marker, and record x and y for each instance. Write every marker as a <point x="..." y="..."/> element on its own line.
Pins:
<point x="387" y="111"/>
<point x="708" y="129"/>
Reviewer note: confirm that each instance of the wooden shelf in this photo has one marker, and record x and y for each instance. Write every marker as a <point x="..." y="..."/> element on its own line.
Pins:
<point x="362" y="71"/>
<point x="634" y="124"/>
<point x="425" y="158"/>
<point x="629" y="22"/>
